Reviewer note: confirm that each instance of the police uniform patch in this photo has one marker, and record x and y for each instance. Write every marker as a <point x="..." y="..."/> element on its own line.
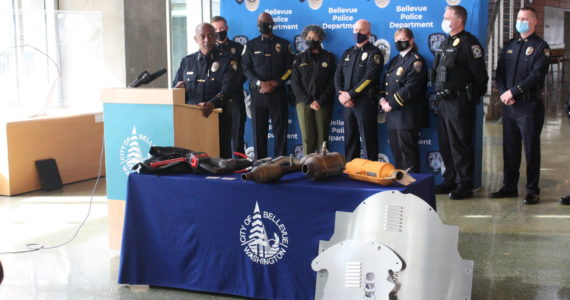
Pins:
<point x="233" y="50"/>
<point x="547" y="52"/>
<point x="215" y="66"/>
<point x="418" y="66"/>
<point x="347" y="58"/>
<point x="234" y="65"/>
<point x="324" y="64"/>
<point x="529" y="51"/>
<point x="315" y="4"/>
<point x="278" y="47"/>
<point x="456" y="42"/>
<point x="400" y="71"/>
<point x="377" y="58"/>
<point x="364" y="56"/>
<point x="477" y="52"/>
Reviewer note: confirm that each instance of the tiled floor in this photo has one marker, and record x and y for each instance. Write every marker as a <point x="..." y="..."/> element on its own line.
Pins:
<point x="520" y="252"/>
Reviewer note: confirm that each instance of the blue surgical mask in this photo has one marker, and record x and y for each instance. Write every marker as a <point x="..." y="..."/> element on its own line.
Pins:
<point x="522" y="26"/>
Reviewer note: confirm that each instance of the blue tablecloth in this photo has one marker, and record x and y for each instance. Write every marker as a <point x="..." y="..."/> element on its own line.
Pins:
<point x="226" y="236"/>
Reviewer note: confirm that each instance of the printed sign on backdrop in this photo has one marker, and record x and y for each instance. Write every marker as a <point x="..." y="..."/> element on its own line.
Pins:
<point x="337" y="17"/>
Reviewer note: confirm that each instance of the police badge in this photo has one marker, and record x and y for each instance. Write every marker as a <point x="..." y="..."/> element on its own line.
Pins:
<point x="456" y="42"/>
<point x="434" y="41"/>
<point x="315" y="4"/>
<point x="400" y="71"/>
<point x="435" y="162"/>
<point x="382" y="3"/>
<point x="300" y="44"/>
<point x="364" y="56"/>
<point x="252" y="5"/>
<point x="324" y="64"/>
<point x="215" y="66"/>
<point x="384" y="47"/>
<point x="278" y="47"/>
<point x="529" y="51"/>
<point x="242" y="39"/>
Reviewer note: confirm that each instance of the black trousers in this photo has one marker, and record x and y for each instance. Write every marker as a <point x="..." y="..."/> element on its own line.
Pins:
<point x="455" y="130"/>
<point x="404" y="146"/>
<point x="236" y="111"/>
<point x="522" y="124"/>
<point x="360" y="123"/>
<point x="264" y="106"/>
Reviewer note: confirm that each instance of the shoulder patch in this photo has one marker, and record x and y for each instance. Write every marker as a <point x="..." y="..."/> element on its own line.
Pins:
<point x="234" y="64"/>
<point x="477" y="51"/>
<point x="418" y="66"/>
<point x="377" y="58"/>
<point x="546" y="52"/>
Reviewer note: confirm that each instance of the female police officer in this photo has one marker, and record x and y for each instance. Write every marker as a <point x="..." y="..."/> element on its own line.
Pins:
<point x="312" y="83"/>
<point x="404" y="101"/>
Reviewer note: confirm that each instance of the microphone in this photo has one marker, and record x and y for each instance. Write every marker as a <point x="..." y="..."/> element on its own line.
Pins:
<point x="145" y="77"/>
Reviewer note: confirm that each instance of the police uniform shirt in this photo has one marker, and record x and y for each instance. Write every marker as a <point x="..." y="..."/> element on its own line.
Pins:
<point x="463" y="60"/>
<point x="266" y="59"/>
<point x="313" y="77"/>
<point x="233" y="51"/>
<point x="523" y="65"/>
<point x="206" y="77"/>
<point x="404" y="88"/>
<point x="359" y="71"/>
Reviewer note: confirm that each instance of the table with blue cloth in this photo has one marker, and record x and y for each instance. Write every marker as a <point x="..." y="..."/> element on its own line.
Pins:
<point x="222" y="235"/>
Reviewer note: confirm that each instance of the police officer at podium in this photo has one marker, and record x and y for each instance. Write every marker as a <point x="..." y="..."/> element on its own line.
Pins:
<point x="356" y="85"/>
<point x="521" y="69"/>
<point x="267" y="62"/>
<point x="460" y="81"/>
<point x="207" y="75"/>
<point x="234" y="114"/>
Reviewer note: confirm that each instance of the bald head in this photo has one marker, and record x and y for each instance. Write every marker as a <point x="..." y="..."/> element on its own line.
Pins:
<point x="361" y="31"/>
<point x="265" y="24"/>
<point x="205" y="37"/>
<point x="264" y="18"/>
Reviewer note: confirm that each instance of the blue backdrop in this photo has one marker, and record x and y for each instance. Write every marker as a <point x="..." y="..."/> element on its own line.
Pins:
<point x="337" y="18"/>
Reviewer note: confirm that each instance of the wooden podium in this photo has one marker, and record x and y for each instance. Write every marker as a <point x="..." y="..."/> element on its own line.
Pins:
<point x="136" y="119"/>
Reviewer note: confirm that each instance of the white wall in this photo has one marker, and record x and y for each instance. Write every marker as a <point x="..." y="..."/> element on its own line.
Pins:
<point x="113" y="37"/>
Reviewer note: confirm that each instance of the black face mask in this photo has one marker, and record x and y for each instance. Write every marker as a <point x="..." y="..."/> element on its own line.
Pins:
<point x="360" y="38"/>
<point x="221" y="35"/>
<point x="402" y="45"/>
<point x="265" y="28"/>
<point x="314" y="44"/>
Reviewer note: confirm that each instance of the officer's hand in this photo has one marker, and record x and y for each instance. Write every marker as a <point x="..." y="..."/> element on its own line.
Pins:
<point x="207" y="108"/>
<point x="180" y="84"/>
<point x="315" y="105"/>
<point x="382" y="101"/>
<point x="343" y="97"/>
<point x="265" y="87"/>
<point x="511" y="101"/>
<point x="506" y="96"/>
<point x="274" y="84"/>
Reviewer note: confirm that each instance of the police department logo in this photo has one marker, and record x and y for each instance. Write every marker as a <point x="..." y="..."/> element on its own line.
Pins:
<point x="315" y="4"/>
<point x="300" y="44"/>
<point x="242" y="39"/>
<point x="249" y="151"/>
<point x="264" y="237"/>
<point x="453" y="2"/>
<point x="434" y="41"/>
<point x="383" y="158"/>
<point x="382" y="3"/>
<point x="131" y="153"/>
<point x="298" y="151"/>
<point x="435" y="162"/>
<point x="252" y="5"/>
<point x="384" y="46"/>
<point x="239" y="2"/>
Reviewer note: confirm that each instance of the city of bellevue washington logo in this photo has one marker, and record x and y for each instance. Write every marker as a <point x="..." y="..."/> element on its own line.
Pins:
<point x="131" y="153"/>
<point x="263" y="237"/>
